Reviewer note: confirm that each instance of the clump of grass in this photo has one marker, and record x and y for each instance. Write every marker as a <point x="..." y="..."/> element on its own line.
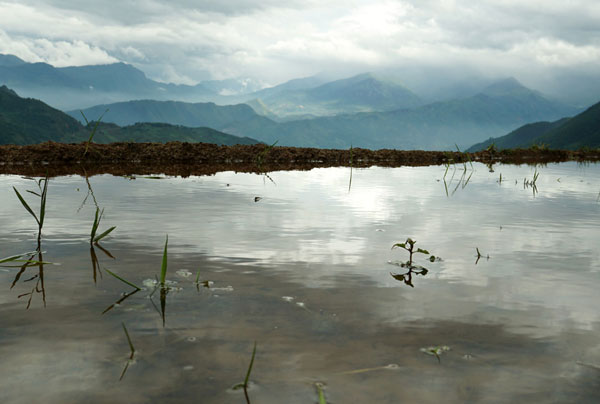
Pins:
<point x="93" y="133"/>
<point x="42" y="194"/>
<point x="93" y="238"/>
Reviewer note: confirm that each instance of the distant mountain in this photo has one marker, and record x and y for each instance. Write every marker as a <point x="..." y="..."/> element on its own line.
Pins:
<point x="506" y="106"/>
<point x="173" y="112"/>
<point x="362" y="93"/>
<point x="80" y="86"/>
<point x="30" y="121"/>
<point x="160" y="133"/>
<point x="10" y="60"/>
<point x="582" y="130"/>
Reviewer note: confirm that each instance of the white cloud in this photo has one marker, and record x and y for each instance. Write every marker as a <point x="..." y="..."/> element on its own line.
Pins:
<point x="189" y="40"/>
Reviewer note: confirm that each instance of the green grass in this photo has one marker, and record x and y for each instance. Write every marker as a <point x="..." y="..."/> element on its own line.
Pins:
<point x="244" y="385"/>
<point x="97" y="218"/>
<point x="93" y="133"/>
<point x="123" y="280"/>
<point x="42" y="194"/>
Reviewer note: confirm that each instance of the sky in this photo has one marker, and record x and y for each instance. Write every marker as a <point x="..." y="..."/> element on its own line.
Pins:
<point x="185" y="41"/>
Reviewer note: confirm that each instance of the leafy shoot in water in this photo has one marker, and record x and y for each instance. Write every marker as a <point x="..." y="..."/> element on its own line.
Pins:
<point x="435" y="351"/>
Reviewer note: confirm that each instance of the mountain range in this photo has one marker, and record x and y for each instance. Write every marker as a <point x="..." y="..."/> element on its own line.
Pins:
<point x="496" y="110"/>
<point x="582" y="130"/>
<point x="29" y="121"/>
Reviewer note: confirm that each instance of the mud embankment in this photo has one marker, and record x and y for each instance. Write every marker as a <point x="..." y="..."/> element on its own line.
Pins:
<point x="177" y="158"/>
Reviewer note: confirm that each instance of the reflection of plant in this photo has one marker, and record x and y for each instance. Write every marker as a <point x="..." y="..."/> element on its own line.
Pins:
<point x="409" y="245"/>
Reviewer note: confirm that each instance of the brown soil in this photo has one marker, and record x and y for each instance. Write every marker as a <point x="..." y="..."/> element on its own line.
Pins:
<point x="176" y="158"/>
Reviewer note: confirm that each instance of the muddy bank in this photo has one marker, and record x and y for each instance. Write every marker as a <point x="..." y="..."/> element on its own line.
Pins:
<point x="177" y="158"/>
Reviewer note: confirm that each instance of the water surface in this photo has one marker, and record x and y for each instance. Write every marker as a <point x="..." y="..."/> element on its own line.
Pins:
<point x="302" y="264"/>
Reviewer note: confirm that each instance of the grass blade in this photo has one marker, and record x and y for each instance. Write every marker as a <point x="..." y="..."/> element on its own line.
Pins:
<point x="123" y="280"/>
<point x="319" y="387"/>
<point x="43" y="203"/>
<point x="106" y="233"/>
<point x="93" y="130"/>
<point x="26" y="206"/>
<point x="163" y="269"/>
<point x="96" y="223"/>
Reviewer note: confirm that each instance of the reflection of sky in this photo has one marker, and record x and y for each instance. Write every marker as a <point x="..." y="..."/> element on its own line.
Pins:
<point x="312" y="238"/>
<point x="543" y="248"/>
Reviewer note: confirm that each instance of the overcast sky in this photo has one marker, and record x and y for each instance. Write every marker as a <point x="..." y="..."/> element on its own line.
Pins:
<point x="185" y="41"/>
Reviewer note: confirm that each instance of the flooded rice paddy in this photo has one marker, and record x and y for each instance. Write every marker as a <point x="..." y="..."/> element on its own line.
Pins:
<point x="501" y="307"/>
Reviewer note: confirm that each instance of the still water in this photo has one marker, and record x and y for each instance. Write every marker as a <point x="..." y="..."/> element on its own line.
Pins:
<point x="301" y="263"/>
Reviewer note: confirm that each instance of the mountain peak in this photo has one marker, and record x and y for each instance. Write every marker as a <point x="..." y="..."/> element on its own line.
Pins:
<point x="507" y="86"/>
<point x="10" y="60"/>
<point x="7" y="90"/>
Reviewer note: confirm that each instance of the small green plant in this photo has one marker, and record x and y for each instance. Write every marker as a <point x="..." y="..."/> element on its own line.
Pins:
<point x="42" y="194"/>
<point x="93" y="133"/>
<point x="245" y="384"/>
<point x="93" y="238"/>
<point x="492" y="149"/>
<point x="409" y="245"/>
<point x="435" y="351"/>
<point x="532" y="183"/>
<point x="261" y="156"/>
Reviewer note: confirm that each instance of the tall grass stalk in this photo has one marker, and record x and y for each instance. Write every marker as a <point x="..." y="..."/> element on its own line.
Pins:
<point x="42" y="195"/>
<point x="93" y="133"/>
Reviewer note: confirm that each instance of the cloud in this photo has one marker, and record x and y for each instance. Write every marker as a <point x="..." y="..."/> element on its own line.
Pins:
<point x="187" y="40"/>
